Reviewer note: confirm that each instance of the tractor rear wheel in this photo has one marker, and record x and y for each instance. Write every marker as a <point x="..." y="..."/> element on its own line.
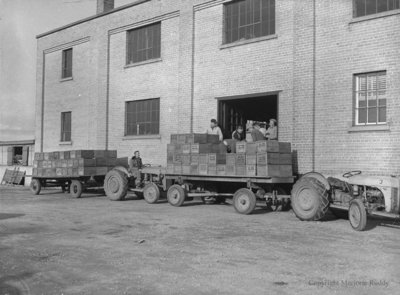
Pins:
<point x="151" y="193"/>
<point x="35" y="186"/>
<point x="176" y="195"/>
<point x="116" y="185"/>
<point x="310" y="199"/>
<point x="357" y="215"/>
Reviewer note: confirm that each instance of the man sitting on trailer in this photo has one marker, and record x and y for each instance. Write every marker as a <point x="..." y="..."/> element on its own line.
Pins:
<point x="214" y="129"/>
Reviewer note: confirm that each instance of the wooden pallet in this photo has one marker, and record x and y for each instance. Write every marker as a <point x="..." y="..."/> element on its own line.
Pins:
<point x="13" y="177"/>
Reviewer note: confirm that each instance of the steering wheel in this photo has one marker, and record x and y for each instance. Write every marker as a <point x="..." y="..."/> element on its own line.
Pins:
<point x="352" y="173"/>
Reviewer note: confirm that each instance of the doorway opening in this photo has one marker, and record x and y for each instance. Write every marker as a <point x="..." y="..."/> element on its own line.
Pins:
<point x="233" y="112"/>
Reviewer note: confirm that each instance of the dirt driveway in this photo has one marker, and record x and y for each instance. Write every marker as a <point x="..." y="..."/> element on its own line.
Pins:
<point x="52" y="244"/>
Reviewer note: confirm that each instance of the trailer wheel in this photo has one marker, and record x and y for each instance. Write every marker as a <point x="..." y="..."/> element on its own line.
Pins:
<point x="244" y="201"/>
<point x="35" y="186"/>
<point x="310" y="199"/>
<point x="151" y="193"/>
<point x="357" y="215"/>
<point x="76" y="188"/>
<point x="116" y="185"/>
<point x="176" y="195"/>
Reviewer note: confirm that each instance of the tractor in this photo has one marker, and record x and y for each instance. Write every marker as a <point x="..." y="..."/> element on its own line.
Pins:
<point x="351" y="194"/>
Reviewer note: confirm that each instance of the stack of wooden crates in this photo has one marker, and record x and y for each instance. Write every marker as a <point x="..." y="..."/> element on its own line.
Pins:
<point x="74" y="163"/>
<point x="202" y="154"/>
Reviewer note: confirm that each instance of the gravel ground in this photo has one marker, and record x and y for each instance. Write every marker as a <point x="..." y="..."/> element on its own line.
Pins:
<point x="52" y="244"/>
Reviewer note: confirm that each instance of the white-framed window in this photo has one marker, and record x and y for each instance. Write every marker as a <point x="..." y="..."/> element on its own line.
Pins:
<point x="368" y="7"/>
<point x="142" y="117"/>
<point x="370" y="98"/>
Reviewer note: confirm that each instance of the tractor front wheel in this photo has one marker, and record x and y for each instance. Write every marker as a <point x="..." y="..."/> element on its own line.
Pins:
<point x="357" y="215"/>
<point x="151" y="193"/>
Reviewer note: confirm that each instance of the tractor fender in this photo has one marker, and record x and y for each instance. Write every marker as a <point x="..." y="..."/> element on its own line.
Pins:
<point x="122" y="169"/>
<point x="318" y="176"/>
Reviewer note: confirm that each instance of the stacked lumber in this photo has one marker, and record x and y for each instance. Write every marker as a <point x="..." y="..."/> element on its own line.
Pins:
<point x="202" y="154"/>
<point x="74" y="163"/>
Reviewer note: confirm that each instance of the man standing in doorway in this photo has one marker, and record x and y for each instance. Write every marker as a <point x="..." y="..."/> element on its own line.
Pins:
<point x="214" y="129"/>
<point x="272" y="132"/>
<point x="256" y="133"/>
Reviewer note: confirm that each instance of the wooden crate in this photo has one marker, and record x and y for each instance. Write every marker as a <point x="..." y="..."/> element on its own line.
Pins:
<point x="170" y="168"/>
<point x="231" y="159"/>
<point x="177" y="159"/>
<point x="181" y="139"/>
<point x="194" y="159"/>
<point x="240" y="159"/>
<point x="170" y="157"/>
<point x="268" y="170"/>
<point x="221" y="170"/>
<point x="196" y="138"/>
<point x="251" y="170"/>
<point x="251" y="148"/>
<point x="186" y="169"/>
<point x="240" y="170"/>
<point x="212" y="159"/>
<point x="241" y="147"/>
<point x="285" y="159"/>
<point x="177" y="168"/>
<point x="218" y="148"/>
<point x="194" y="169"/>
<point x="186" y="148"/>
<point x="212" y="169"/>
<point x="78" y="154"/>
<point x="200" y="148"/>
<point x="212" y="138"/>
<point x="285" y="147"/>
<point x="230" y="170"/>
<point x="203" y="158"/>
<point x="185" y="159"/>
<point x="285" y="170"/>
<point x="174" y="138"/>
<point x="203" y="169"/>
<point x="251" y="159"/>
<point x="267" y="158"/>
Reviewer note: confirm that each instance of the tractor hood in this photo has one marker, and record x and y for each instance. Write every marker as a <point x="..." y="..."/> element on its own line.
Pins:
<point x="377" y="181"/>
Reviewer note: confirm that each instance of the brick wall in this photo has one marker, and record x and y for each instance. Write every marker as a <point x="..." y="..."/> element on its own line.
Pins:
<point x="344" y="49"/>
<point x="195" y="69"/>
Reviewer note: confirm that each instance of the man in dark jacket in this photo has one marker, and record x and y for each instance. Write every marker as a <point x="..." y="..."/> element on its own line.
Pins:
<point x="238" y="134"/>
<point x="256" y="133"/>
<point x="135" y="164"/>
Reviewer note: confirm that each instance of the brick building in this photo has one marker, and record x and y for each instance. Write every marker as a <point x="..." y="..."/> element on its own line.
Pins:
<point x="130" y="76"/>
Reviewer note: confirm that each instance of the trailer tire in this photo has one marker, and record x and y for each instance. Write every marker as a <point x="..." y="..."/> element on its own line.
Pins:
<point x="176" y="195"/>
<point x="244" y="201"/>
<point x="357" y="215"/>
<point x="310" y="199"/>
<point x="151" y="193"/>
<point x="76" y="189"/>
<point x="35" y="186"/>
<point x="116" y="185"/>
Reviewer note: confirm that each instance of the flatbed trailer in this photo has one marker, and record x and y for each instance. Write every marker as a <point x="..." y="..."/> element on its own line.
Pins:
<point x="245" y="190"/>
<point x="75" y="185"/>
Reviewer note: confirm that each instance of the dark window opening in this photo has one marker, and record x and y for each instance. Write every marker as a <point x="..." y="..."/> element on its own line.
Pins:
<point x="368" y="7"/>
<point x="17" y="155"/>
<point x="248" y="19"/>
<point x="66" y="63"/>
<point x="143" y="117"/>
<point x="144" y="43"/>
<point x="235" y="112"/>
<point x="66" y="126"/>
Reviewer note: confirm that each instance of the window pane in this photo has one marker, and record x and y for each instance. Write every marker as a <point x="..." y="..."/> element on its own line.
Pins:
<point x="362" y="116"/>
<point x="362" y="100"/>
<point x="371" y="82"/>
<point x="360" y="7"/>
<point x="371" y="99"/>
<point x="382" y="5"/>
<point x="372" y="115"/>
<point x="382" y="114"/>
<point x="371" y="6"/>
<point x="146" y="115"/>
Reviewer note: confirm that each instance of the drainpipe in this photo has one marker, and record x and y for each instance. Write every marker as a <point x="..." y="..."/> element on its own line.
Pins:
<point x="42" y="102"/>
<point x="314" y="84"/>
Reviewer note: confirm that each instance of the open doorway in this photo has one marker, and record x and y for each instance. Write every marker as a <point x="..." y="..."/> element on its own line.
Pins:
<point x="234" y="111"/>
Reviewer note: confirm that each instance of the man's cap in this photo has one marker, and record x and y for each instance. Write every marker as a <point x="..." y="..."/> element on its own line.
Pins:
<point x="214" y="121"/>
<point x="273" y="120"/>
<point x="256" y="124"/>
